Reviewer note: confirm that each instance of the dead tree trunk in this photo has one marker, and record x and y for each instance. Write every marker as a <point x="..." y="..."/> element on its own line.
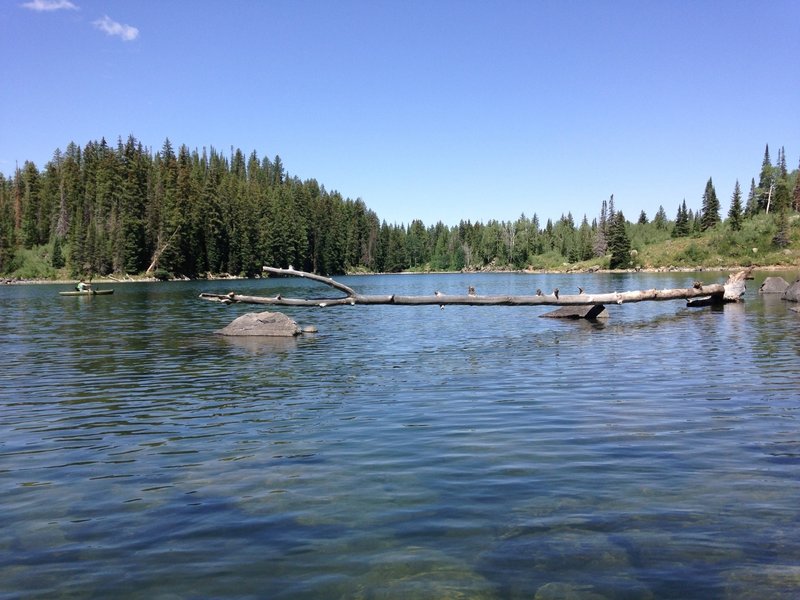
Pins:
<point x="713" y="292"/>
<point x="159" y="251"/>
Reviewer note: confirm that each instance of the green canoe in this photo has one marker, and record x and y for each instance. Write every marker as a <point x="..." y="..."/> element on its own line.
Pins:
<point x="87" y="293"/>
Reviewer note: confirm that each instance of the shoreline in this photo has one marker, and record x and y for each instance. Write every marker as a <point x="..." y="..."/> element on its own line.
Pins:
<point x="572" y="271"/>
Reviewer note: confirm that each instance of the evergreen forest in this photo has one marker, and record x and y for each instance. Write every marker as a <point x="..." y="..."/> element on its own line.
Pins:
<point x="124" y="210"/>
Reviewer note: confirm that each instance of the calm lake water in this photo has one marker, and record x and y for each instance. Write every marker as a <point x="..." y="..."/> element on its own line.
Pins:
<point x="401" y="452"/>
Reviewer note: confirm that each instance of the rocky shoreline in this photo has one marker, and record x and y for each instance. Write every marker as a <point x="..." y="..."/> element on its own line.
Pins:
<point x="564" y="271"/>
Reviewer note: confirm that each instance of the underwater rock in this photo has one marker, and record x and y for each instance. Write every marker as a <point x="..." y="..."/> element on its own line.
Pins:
<point x="566" y="591"/>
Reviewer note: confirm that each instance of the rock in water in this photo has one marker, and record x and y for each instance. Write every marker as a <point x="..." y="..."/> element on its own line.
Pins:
<point x="266" y="323"/>
<point x="792" y="293"/>
<point x="773" y="285"/>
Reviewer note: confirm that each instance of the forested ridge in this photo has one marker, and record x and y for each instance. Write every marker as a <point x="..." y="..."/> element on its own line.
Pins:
<point x="124" y="209"/>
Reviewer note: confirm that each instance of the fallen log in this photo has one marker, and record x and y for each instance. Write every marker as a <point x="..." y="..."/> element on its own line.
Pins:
<point x="730" y="292"/>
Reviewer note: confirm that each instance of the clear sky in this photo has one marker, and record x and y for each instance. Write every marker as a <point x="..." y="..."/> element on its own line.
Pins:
<point x="439" y="110"/>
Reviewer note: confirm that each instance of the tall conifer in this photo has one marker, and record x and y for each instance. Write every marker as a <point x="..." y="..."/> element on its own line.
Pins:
<point x="619" y="244"/>
<point x="735" y="211"/>
<point x="751" y="208"/>
<point x="765" y="181"/>
<point x="710" y="215"/>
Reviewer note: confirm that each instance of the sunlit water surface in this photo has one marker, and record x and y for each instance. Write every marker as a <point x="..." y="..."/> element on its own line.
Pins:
<point x="401" y="452"/>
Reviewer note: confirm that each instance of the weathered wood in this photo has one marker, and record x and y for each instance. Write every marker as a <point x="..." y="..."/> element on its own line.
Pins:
<point x="735" y="286"/>
<point x="598" y="311"/>
<point x="159" y="251"/>
<point x="730" y="292"/>
<point x="467" y="300"/>
<point x="326" y="280"/>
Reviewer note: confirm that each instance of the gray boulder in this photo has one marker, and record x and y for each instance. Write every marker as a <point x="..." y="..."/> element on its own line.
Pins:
<point x="792" y="293"/>
<point x="773" y="285"/>
<point x="264" y="324"/>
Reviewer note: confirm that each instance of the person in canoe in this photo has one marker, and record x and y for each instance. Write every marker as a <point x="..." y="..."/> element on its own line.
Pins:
<point x="82" y="286"/>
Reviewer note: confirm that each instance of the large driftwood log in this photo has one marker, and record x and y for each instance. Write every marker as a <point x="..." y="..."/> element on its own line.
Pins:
<point x="729" y="292"/>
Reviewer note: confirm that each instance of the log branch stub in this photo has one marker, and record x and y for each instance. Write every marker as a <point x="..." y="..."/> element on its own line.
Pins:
<point x="326" y="280"/>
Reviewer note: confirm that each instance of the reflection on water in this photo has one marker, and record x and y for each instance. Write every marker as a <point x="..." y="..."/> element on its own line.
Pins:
<point x="259" y="344"/>
<point x="401" y="452"/>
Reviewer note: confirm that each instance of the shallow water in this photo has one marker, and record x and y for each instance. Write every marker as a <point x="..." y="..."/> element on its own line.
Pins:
<point x="401" y="452"/>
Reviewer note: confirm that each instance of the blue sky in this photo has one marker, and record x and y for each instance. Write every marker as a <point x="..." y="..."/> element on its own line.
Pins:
<point x="435" y="110"/>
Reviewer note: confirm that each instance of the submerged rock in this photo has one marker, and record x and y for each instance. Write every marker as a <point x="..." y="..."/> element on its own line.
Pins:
<point x="792" y="293"/>
<point x="264" y="324"/>
<point x="773" y="285"/>
<point x="557" y="590"/>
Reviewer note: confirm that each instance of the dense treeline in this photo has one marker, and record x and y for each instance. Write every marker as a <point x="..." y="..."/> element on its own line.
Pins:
<point x="124" y="209"/>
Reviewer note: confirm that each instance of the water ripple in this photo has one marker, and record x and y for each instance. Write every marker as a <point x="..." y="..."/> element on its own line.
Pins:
<point x="401" y="452"/>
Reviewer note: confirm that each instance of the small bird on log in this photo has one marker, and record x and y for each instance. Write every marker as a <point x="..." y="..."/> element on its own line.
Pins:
<point x="555" y="293"/>
<point x="539" y="292"/>
<point x="471" y="291"/>
<point x="697" y="285"/>
<point x="580" y="290"/>
<point x="438" y="293"/>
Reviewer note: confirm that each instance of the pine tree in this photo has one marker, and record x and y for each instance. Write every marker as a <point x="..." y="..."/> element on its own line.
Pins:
<point x="796" y="193"/>
<point x="781" y="199"/>
<point x="57" y="257"/>
<point x="7" y="238"/>
<point x="781" y="196"/>
<point x="695" y="222"/>
<point x="765" y="182"/>
<point x="660" y="220"/>
<point x="31" y="205"/>
<point x="735" y="211"/>
<point x="781" y="238"/>
<point x="584" y="240"/>
<point x="751" y="208"/>
<point x="619" y="244"/>
<point x="682" y="225"/>
<point x="781" y="166"/>
<point x="600" y="246"/>
<point x="642" y="218"/>
<point x="710" y="215"/>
